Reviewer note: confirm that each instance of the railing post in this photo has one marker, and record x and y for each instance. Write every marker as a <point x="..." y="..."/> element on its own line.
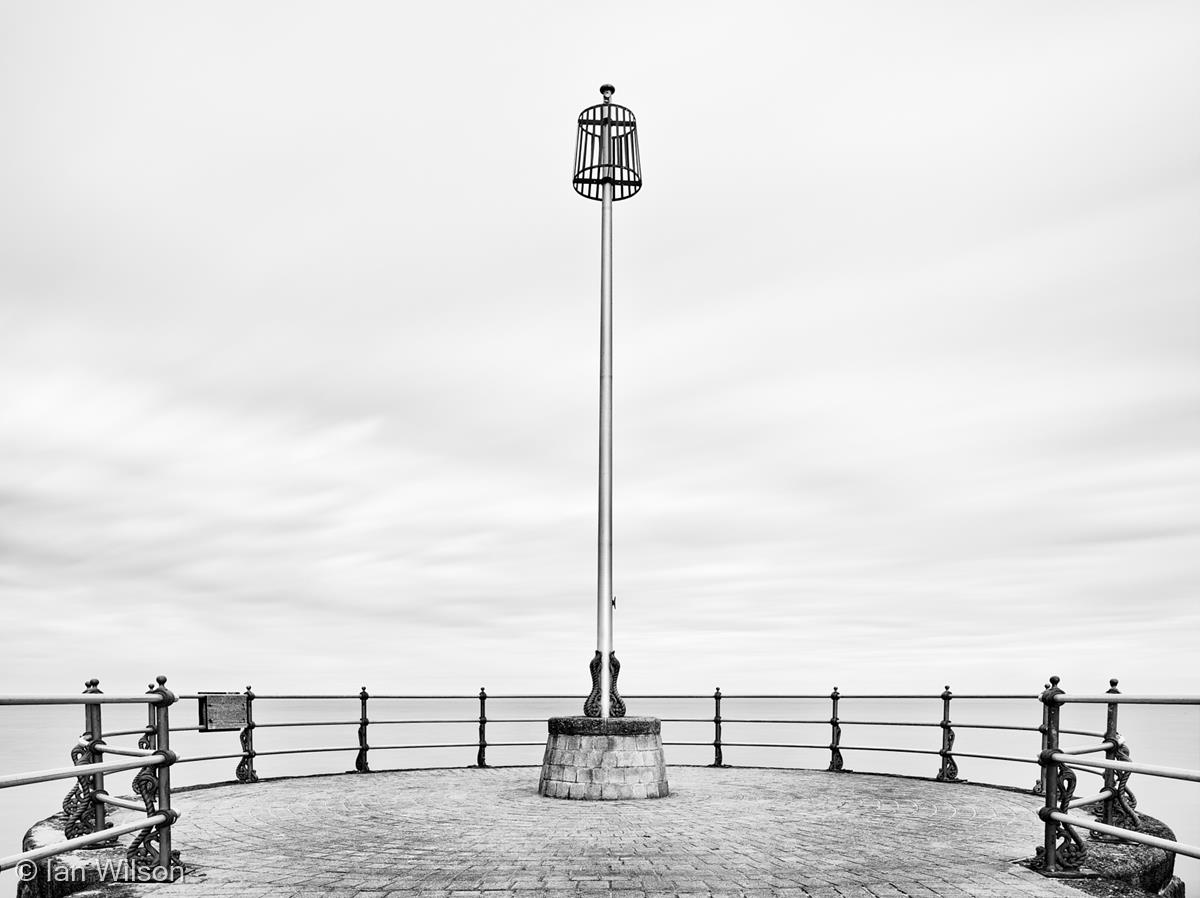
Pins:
<point x="949" y="770"/>
<point x="481" y="756"/>
<point x="93" y="723"/>
<point x="361" y="764"/>
<point x="718" y="754"/>
<point x="1111" y="736"/>
<point x="168" y="861"/>
<point x="835" y="753"/>
<point x="1058" y="780"/>
<point x="1050" y="725"/>
<point x="245" y="769"/>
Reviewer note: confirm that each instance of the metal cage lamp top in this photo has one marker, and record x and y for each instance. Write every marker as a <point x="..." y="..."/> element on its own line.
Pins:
<point x="606" y="151"/>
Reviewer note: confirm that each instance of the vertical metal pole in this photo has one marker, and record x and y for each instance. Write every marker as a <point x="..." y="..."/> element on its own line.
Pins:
<point x="245" y="769"/>
<point x="481" y="758"/>
<point x="1050" y="727"/>
<point x="93" y="723"/>
<point x="718" y="759"/>
<point x="949" y="770"/>
<point x="604" y="612"/>
<point x="162" y="736"/>
<point x="361" y="764"/>
<point x="835" y="751"/>
<point x="1111" y="735"/>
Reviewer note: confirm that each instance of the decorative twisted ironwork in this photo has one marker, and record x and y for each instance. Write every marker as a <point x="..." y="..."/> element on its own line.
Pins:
<point x="80" y="803"/>
<point x="481" y="755"/>
<point x="1070" y="851"/>
<point x="1125" y="813"/>
<point x="245" y="768"/>
<point x="835" y="753"/>
<point x="140" y="852"/>
<point x="591" y="707"/>
<point x="360" y="760"/>
<point x="949" y="771"/>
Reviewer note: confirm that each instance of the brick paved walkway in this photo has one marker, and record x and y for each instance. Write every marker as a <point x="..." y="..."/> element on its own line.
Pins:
<point x="733" y="832"/>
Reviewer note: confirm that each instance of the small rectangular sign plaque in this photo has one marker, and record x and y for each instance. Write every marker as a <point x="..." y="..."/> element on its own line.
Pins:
<point x="222" y="711"/>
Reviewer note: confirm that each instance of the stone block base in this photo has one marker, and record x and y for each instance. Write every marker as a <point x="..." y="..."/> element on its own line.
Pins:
<point x="604" y="759"/>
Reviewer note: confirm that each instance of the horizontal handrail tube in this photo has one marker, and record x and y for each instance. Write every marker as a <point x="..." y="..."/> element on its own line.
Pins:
<point x="1087" y="749"/>
<point x="1117" y="698"/>
<point x="885" y="723"/>
<point x="120" y="802"/>
<point x="212" y="758"/>
<point x="911" y="751"/>
<point x="309" y="723"/>
<point x="375" y="722"/>
<point x="142" y="732"/>
<point x="1010" y="697"/>
<point x="80" y="842"/>
<point x="66" y="773"/>
<point x="824" y="746"/>
<point x="1074" y="732"/>
<point x="697" y="743"/>
<point x="82" y="698"/>
<point x="824" y="696"/>
<point x="494" y="744"/>
<point x="491" y="696"/>
<point x="128" y="752"/>
<point x="354" y="695"/>
<point x="968" y="754"/>
<point x="1175" y="773"/>
<point x="1089" y="799"/>
<point x="1129" y="834"/>
<point x="996" y="726"/>
<point x="824" y="722"/>
<point x="922" y="697"/>
<point x="305" y="751"/>
<point x="434" y="745"/>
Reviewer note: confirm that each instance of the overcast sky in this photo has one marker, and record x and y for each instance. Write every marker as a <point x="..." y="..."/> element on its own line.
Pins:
<point x="299" y="331"/>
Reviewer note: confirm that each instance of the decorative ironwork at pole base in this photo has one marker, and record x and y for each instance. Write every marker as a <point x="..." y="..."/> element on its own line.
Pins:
<point x="80" y="803"/>
<point x="1070" y="851"/>
<point x="591" y="708"/>
<point x="245" y="768"/>
<point x="835" y="753"/>
<point x="1125" y="813"/>
<point x="145" y="851"/>
<point x="360" y="760"/>
<point x="949" y="771"/>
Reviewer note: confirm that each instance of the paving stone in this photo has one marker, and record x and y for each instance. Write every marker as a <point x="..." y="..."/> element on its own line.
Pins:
<point x="468" y="833"/>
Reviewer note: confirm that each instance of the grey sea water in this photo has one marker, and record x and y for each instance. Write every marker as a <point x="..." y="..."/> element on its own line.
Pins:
<point x="41" y="738"/>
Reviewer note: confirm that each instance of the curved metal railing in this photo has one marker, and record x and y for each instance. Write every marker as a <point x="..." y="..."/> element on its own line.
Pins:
<point x="86" y="806"/>
<point x="1062" y="849"/>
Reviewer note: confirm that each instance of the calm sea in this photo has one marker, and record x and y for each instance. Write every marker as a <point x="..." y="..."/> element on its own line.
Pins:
<point x="40" y="738"/>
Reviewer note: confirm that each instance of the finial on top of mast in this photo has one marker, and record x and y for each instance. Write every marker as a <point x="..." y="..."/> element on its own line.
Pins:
<point x="606" y="91"/>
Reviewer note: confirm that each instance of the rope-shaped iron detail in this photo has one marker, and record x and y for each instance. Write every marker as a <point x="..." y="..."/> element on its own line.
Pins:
<point x="245" y="768"/>
<point x="1071" y="851"/>
<point x="1126" y="814"/>
<point x="79" y="804"/>
<point x="140" y="853"/>
<point x="949" y="771"/>
<point x="835" y="753"/>
<point x="616" y="707"/>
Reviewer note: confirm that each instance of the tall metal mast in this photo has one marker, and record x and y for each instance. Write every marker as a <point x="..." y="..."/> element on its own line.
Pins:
<point x="607" y="168"/>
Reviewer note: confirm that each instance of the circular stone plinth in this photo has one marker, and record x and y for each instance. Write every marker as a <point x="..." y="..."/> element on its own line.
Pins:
<point x="604" y="759"/>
